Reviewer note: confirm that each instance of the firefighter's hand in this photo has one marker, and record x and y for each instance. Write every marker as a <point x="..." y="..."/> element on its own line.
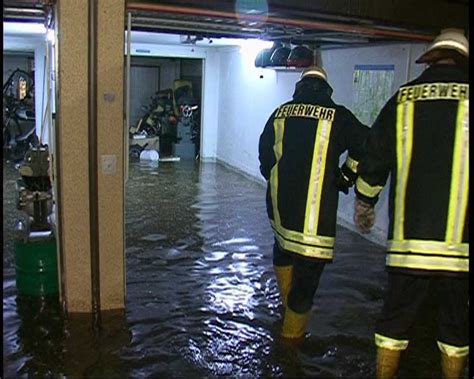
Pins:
<point x="364" y="215"/>
<point x="343" y="183"/>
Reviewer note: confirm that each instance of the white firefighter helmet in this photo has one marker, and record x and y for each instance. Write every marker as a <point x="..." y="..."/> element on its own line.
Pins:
<point x="448" y="40"/>
<point x="314" y="71"/>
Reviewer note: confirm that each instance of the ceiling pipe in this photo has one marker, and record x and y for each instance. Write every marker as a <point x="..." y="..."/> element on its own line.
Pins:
<point x="163" y="21"/>
<point x="356" y="29"/>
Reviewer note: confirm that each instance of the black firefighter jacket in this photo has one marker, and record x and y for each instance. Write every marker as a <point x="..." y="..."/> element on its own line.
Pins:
<point x="299" y="153"/>
<point x="421" y="139"/>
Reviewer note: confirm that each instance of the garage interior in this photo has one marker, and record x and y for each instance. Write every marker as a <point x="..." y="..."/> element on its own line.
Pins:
<point x="142" y="48"/>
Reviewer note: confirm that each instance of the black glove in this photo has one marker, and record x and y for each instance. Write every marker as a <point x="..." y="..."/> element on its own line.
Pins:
<point x="345" y="179"/>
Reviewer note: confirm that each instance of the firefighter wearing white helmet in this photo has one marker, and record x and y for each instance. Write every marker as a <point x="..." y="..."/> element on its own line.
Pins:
<point x="314" y="71"/>
<point x="421" y="140"/>
<point x="299" y="153"/>
<point x="450" y="43"/>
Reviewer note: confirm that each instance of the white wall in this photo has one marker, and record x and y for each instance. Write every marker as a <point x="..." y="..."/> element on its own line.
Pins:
<point x="339" y="65"/>
<point x="246" y="101"/>
<point x="210" y="105"/>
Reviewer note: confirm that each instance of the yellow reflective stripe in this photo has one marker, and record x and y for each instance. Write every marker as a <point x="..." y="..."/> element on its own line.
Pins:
<point x="428" y="262"/>
<point x="390" y="343"/>
<point x="316" y="179"/>
<point x="404" y="149"/>
<point x="279" y="127"/>
<point x="453" y="351"/>
<point x="305" y="250"/>
<point x="304" y="238"/>
<point x="459" y="189"/>
<point x="366" y="189"/>
<point x="430" y="247"/>
<point x="352" y="164"/>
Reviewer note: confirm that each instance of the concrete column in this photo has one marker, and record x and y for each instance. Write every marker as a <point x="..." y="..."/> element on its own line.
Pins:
<point x="73" y="175"/>
<point x="110" y="119"/>
<point x="73" y="153"/>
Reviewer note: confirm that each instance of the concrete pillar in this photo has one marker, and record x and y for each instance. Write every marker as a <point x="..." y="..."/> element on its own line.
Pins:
<point x="73" y="153"/>
<point x="110" y="119"/>
<point x="73" y="175"/>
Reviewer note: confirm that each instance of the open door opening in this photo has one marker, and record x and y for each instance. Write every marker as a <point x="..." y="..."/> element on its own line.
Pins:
<point x="165" y="108"/>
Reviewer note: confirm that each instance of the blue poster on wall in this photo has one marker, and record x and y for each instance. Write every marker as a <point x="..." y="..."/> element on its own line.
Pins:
<point x="372" y="87"/>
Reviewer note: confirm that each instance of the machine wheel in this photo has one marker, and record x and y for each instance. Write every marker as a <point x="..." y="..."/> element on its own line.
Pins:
<point x="135" y="151"/>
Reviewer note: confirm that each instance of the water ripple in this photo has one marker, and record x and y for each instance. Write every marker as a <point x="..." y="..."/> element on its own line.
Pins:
<point x="201" y="296"/>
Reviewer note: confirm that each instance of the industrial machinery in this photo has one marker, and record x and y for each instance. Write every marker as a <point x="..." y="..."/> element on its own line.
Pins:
<point x="35" y="241"/>
<point x="18" y="115"/>
<point x="170" y="124"/>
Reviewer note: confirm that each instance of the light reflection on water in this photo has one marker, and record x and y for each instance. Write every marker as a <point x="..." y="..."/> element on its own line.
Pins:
<point x="201" y="296"/>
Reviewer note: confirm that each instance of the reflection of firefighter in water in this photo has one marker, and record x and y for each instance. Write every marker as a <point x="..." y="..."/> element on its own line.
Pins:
<point x="421" y="138"/>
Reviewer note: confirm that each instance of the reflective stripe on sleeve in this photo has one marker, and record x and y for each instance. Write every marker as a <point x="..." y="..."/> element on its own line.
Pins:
<point x="352" y="164"/>
<point x="390" y="343"/>
<point x="366" y="189"/>
<point x="453" y="351"/>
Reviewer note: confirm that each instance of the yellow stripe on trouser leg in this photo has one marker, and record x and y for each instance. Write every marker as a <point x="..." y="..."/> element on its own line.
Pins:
<point x="294" y="324"/>
<point x="283" y="276"/>
<point x="452" y="367"/>
<point x="388" y="361"/>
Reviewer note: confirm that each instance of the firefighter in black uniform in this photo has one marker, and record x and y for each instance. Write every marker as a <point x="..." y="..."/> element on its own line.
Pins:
<point x="421" y="139"/>
<point x="299" y="153"/>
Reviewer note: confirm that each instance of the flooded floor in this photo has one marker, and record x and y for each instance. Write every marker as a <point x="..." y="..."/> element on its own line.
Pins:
<point x="201" y="296"/>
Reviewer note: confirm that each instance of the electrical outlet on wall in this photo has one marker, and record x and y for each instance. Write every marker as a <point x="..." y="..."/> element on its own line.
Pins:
<point x="109" y="164"/>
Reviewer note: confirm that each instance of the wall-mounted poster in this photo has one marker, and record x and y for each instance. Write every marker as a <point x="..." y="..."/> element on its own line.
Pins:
<point x="372" y="87"/>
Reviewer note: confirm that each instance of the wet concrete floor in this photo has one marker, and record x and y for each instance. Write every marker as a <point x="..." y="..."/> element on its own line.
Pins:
<point x="201" y="296"/>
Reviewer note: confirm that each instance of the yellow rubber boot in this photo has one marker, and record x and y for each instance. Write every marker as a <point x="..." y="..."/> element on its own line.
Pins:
<point x="294" y="324"/>
<point x="283" y="276"/>
<point x="388" y="362"/>
<point x="452" y="367"/>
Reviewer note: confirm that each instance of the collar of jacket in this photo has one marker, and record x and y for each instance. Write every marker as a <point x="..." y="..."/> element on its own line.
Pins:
<point x="311" y="88"/>
<point x="446" y="69"/>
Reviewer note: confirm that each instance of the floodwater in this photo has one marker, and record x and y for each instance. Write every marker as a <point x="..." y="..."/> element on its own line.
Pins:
<point x="201" y="296"/>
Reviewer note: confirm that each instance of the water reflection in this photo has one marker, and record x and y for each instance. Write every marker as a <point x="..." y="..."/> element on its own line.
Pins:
<point x="94" y="353"/>
<point x="35" y="337"/>
<point x="201" y="297"/>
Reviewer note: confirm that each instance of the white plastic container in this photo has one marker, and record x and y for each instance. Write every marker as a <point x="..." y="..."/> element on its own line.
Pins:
<point x="149" y="155"/>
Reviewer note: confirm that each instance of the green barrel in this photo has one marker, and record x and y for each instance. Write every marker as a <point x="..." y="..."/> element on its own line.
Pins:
<point x="36" y="267"/>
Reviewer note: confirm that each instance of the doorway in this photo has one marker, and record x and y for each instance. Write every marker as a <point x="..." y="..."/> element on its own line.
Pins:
<point x="165" y="107"/>
<point x="18" y="104"/>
